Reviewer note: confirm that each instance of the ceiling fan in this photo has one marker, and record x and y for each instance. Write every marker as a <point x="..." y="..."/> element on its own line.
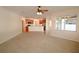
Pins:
<point x="40" y="11"/>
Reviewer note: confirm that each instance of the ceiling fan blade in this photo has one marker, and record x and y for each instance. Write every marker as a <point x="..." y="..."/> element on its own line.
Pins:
<point x="45" y="10"/>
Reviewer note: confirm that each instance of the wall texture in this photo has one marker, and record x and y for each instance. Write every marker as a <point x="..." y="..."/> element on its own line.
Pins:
<point x="65" y="34"/>
<point x="10" y="25"/>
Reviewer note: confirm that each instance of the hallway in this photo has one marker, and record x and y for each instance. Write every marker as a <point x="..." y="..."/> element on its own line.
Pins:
<point x="38" y="42"/>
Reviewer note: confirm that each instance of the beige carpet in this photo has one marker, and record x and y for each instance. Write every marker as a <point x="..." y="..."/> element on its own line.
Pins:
<point x="38" y="42"/>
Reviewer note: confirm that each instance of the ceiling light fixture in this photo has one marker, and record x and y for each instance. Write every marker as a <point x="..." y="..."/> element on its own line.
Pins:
<point x="39" y="13"/>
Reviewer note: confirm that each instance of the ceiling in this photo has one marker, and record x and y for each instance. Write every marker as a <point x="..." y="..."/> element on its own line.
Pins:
<point x="30" y="11"/>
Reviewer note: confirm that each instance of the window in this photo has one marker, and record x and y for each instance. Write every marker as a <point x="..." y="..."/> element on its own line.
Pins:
<point x="67" y="23"/>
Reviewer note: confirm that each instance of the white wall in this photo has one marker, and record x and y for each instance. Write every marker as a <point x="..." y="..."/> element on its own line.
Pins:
<point x="65" y="34"/>
<point x="10" y="25"/>
<point x="48" y="24"/>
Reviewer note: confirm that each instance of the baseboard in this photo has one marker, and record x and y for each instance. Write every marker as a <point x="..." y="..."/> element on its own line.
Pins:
<point x="63" y="38"/>
<point x="10" y="37"/>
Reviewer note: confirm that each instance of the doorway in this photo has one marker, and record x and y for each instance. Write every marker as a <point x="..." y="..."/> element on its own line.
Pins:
<point x="32" y="24"/>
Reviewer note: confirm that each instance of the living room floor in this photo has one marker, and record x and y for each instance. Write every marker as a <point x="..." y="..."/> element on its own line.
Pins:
<point x="38" y="42"/>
